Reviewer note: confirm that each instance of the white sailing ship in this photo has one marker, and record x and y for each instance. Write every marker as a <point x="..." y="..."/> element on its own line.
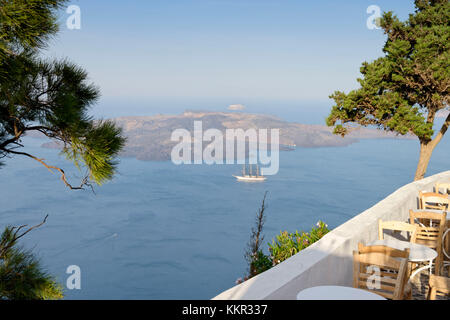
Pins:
<point x="250" y="177"/>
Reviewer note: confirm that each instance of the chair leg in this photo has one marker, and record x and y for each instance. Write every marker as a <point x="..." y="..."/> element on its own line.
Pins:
<point x="437" y="266"/>
<point x="431" y="294"/>
<point x="408" y="292"/>
<point x="410" y="268"/>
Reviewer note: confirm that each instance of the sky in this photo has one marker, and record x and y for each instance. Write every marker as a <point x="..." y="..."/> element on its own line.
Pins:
<point x="159" y="56"/>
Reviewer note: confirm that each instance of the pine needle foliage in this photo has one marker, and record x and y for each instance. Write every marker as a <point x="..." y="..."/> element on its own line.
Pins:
<point x="52" y="97"/>
<point x="22" y="276"/>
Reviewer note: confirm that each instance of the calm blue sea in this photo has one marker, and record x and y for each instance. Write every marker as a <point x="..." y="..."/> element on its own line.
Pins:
<point x="160" y="231"/>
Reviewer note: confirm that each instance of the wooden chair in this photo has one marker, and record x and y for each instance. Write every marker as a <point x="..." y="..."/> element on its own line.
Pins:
<point x="432" y="200"/>
<point x="446" y="248"/>
<point x="397" y="226"/>
<point x="381" y="270"/>
<point x="430" y="229"/>
<point x="438" y="285"/>
<point x="445" y="187"/>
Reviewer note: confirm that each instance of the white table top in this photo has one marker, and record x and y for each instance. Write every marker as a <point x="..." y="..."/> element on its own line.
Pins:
<point x="417" y="252"/>
<point x="337" y="293"/>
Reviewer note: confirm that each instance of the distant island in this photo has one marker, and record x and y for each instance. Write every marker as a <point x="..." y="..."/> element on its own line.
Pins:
<point x="149" y="137"/>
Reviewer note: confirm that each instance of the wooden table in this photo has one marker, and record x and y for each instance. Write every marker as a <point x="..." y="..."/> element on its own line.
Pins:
<point x="337" y="293"/>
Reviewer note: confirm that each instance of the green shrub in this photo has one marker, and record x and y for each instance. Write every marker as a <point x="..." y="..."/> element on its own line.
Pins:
<point x="288" y="244"/>
<point x="260" y="263"/>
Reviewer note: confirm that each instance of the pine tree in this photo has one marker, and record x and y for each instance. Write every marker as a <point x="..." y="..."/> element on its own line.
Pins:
<point x="51" y="97"/>
<point x="22" y="276"/>
<point x="404" y="90"/>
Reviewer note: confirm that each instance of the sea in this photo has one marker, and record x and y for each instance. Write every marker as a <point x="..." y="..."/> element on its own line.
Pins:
<point x="162" y="231"/>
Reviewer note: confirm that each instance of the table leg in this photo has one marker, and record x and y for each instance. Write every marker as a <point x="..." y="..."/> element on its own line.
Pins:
<point x="428" y="266"/>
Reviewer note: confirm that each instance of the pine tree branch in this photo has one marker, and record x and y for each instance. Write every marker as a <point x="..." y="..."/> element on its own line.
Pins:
<point x="9" y="242"/>
<point x="84" y="182"/>
<point x="17" y="236"/>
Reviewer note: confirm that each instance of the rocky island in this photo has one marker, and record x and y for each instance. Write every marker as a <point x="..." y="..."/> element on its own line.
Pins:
<point x="149" y="137"/>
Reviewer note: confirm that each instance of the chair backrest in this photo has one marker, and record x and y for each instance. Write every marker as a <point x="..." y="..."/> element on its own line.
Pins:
<point x="438" y="286"/>
<point x="381" y="270"/>
<point x="397" y="226"/>
<point x="433" y="200"/>
<point x="445" y="187"/>
<point x="430" y="228"/>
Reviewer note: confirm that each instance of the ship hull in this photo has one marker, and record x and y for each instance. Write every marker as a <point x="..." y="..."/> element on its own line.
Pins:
<point x="250" y="179"/>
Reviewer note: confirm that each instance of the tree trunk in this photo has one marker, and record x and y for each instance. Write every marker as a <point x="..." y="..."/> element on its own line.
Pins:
<point x="426" y="149"/>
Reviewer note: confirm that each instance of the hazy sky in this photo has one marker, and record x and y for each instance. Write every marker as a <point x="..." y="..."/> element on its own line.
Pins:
<point x="235" y="51"/>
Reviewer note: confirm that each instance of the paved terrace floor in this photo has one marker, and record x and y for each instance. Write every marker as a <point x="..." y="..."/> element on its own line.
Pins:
<point x="420" y="286"/>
